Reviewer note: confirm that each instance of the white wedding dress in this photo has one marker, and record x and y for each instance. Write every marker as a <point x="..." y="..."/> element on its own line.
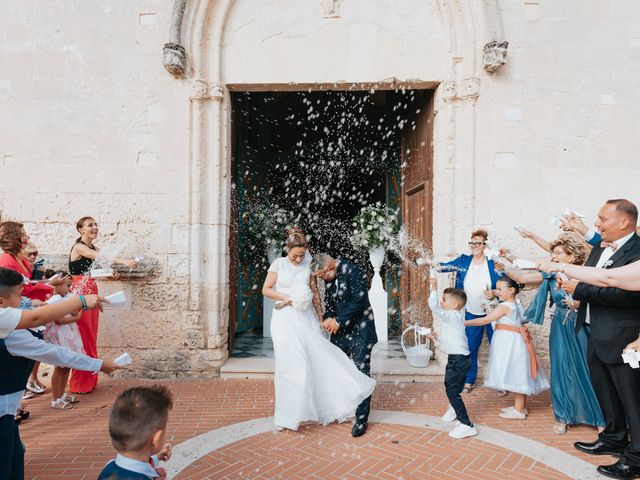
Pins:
<point x="314" y="379"/>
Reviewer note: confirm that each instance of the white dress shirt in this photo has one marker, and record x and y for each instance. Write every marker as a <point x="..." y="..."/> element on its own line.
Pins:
<point x="9" y="320"/>
<point x="21" y="343"/>
<point x="605" y="256"/>
<point x="452" y="336"/>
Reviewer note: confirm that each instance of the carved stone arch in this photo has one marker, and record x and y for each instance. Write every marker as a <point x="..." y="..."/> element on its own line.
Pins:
<point x="194" y="53"/>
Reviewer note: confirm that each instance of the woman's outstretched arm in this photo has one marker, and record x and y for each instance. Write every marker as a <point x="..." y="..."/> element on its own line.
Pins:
<point x="626" y="278"/>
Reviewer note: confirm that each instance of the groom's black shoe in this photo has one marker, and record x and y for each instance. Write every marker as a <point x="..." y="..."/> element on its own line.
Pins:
<point x="359" y="429"/>
<point x="598" y="448"/>
<point x="620" y="469"/>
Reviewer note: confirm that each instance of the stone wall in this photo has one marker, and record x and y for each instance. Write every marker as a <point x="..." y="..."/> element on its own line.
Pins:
<point x="92" y="124"/>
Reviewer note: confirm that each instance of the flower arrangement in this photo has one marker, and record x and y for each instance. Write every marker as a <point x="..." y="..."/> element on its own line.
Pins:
<point x="268" y="223"/>
<point x="375" y="226"/>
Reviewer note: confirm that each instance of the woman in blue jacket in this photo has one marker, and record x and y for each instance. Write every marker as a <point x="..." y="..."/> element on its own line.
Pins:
<point x="477" y="276"/>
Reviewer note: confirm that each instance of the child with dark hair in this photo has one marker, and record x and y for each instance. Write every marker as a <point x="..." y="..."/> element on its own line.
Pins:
<point x="453" y="340"/>
<point x="138" y="428"/>
<point x="19" y="349"/>
<point x="513" y="363"/>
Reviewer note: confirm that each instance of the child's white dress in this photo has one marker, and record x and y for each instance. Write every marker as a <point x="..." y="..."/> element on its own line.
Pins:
<point x="509" y="365"/>
<point x="67" y="336"/>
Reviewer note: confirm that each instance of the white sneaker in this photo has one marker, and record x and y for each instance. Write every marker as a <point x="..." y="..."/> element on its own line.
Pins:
<point x="449" y="415"/>
<point x="463" y="431"/>
<point x="512" y="414"/>
<point x="526" y="412"/>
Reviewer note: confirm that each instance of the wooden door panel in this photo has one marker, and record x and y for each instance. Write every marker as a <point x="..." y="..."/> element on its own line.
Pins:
<point x="417" y="195"/>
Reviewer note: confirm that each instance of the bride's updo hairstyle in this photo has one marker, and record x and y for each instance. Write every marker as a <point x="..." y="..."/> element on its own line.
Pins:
<point x="295" y="238"/>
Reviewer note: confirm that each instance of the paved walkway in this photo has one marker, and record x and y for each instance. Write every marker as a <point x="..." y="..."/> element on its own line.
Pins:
<point x="221" y="430"/>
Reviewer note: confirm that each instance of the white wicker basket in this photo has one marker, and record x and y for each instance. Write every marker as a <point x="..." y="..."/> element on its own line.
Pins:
<point x="419" y="354"/>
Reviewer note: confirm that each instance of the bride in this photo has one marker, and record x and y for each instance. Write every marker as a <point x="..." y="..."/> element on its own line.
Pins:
<point x="314" y="379"/>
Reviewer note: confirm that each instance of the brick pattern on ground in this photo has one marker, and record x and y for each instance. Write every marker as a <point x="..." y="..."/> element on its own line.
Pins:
<point x="75" y="444"/>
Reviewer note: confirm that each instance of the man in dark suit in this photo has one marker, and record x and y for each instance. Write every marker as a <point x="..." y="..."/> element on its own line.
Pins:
<point x="349" y="319"/>
<point x="613" y="316"/>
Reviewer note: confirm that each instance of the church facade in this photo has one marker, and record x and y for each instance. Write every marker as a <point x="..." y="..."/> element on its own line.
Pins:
<point x="126" y="111"/>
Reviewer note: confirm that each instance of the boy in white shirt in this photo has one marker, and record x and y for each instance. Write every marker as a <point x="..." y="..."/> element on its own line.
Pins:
<point x="19" y="348"/>
<point x="453" y="341"/>
<point x="12" y="318"/>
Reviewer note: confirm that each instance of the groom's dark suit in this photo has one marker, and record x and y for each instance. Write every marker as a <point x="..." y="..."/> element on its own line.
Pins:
<point x="347" y="300"/>
<point x="615" y="322"/>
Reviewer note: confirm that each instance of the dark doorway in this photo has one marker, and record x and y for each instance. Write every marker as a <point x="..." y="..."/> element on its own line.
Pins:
<point x="315" y="158"/>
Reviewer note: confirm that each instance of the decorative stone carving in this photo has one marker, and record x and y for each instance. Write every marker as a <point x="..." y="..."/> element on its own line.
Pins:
<point x="494" y="55"/>
<point x="467" y="89"/>
<point x="203" y="90"/>
<point x="449" y="91"/>
<point x="330" y="8"/>
<point x="200" y="90"/>
<point x="216" y="92"/>
<point x="174" y="58"/>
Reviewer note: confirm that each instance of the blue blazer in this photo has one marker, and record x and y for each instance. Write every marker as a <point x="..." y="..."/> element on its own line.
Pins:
<point x="461" y="264"/>
<point x="347" y="299"/>
<point x="596" y="240"/>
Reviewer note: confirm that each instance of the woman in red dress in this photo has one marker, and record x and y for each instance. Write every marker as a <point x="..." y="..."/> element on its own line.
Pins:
<point x="81" y="260"/>
<point x="14" y="241"/>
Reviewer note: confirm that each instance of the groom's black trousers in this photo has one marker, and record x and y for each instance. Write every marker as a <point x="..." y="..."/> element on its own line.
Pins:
<point x="357" y="349"/>
<point x="617" y="388"/>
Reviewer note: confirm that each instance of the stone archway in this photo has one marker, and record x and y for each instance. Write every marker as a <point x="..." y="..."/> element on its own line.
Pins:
<point x="195" y="54"/>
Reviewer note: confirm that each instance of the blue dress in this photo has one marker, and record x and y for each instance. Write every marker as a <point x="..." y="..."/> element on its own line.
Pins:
<point x="572" y="396"/>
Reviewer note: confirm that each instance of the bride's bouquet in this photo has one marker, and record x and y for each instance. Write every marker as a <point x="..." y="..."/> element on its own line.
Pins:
<point x="301" y="298"/>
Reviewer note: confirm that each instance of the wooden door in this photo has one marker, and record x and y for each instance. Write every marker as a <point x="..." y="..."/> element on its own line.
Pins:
<point x="417" y="197"/>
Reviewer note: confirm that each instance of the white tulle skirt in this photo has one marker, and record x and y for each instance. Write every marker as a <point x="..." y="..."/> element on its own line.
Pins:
<point x="508" y="367"/>
<point x="314" y="380"/>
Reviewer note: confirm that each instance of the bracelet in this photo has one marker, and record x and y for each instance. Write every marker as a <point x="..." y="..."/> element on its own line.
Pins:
<point x="83" y="302"/>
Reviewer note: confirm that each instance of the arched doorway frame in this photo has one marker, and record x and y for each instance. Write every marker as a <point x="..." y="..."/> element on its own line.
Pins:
<point x="468" y="25"/>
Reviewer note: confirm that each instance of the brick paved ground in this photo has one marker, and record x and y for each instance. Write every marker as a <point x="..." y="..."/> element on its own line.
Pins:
<point x="75" y="445"/>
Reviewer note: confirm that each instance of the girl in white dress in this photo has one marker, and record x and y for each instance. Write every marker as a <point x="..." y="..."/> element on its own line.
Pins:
<point x="513" y="364"/>
<point x="314" y="379"/>
<point x="64" y="333"/>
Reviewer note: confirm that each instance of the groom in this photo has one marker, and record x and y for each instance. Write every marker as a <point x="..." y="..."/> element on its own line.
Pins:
<point x="613" y="316"/>
<point x="349" y="319"/>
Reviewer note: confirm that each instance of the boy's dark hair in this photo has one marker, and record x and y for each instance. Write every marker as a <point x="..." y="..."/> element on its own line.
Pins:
<point x="457" y="293"/>
<point x="50" y="273"/>
<point x="137" y="414"/>
<point x="9" y="279"/>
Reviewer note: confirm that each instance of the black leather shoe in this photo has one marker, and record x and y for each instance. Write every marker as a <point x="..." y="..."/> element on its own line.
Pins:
<point x="598" y="448"/>
<point x="359" y="429"/>
<point x="620" y="469"/>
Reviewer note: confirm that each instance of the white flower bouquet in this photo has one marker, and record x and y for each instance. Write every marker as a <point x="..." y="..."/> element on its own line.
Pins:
<point x="268" y="223"/>
<point x="375" y="226"/>
<point x="301" y="298"/>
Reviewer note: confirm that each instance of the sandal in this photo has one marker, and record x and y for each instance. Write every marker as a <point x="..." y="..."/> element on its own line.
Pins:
<point x="21" y="415"/>
<point x="60" y="404"/>
<point x="501" y="393"/>
<point x="27" y="395"/>
<point x="559" y="428"/>
<point x="35" y="388"/>
<point x="467" y="388"/>
<point x="69" y="398"/>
